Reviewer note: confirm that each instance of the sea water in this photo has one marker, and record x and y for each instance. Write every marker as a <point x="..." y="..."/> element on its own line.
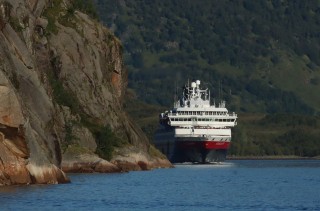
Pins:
<point x="233" y="185"/>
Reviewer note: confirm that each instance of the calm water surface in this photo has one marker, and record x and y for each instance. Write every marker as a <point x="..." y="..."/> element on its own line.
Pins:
<point x="234" y="185"/>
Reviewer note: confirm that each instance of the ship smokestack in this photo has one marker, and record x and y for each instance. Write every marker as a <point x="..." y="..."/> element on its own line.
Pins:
<point x="198" y="83"/>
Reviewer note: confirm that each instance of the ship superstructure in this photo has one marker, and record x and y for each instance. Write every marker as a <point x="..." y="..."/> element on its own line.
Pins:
<point x="202" y="132"/>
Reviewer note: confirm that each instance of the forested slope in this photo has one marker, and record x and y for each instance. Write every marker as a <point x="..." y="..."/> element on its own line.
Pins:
<point x="262" y="57"/>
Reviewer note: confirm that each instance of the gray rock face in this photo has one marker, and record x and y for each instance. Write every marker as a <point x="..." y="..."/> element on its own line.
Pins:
<point x="61" y="78"/>
<point x="26" y="109"/>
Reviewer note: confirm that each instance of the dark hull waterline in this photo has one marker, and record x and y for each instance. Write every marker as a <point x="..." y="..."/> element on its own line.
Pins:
<point x="197" y="154"/>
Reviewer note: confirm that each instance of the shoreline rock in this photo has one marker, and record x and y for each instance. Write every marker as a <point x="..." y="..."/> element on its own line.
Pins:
<point x="87" y="163"/>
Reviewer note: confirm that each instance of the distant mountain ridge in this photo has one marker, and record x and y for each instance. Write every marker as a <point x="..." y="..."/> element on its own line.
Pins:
<point x="266" y="54"/>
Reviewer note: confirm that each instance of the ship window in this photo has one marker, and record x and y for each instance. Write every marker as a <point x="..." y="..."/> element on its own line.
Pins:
<point x="189" y="119"/>
<point x="194" y="113"/>
<point x="206" y="113"/>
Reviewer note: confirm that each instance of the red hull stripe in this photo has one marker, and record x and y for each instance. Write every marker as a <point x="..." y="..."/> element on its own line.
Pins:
<point x="204" y="144"/>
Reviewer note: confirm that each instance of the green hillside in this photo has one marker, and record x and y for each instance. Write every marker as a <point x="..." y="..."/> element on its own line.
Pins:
<point x="264" y="55"/>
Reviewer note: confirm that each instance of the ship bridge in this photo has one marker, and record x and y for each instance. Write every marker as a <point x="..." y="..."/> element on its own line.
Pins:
<point x="194" y="110"/>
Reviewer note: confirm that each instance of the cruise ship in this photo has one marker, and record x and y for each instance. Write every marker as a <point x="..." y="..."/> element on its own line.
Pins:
<point x="195" y="130"/>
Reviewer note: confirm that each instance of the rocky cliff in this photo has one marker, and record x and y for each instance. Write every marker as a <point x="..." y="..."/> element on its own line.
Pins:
<point x="62" y="82"/>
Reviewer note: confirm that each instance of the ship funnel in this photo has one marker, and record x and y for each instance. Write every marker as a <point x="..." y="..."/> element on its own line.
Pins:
<point x="198" y="83"/>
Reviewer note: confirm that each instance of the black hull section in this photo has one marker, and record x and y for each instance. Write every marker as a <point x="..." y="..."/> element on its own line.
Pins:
<point x="179" y="151"/>
<point x="197" y="155"/>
